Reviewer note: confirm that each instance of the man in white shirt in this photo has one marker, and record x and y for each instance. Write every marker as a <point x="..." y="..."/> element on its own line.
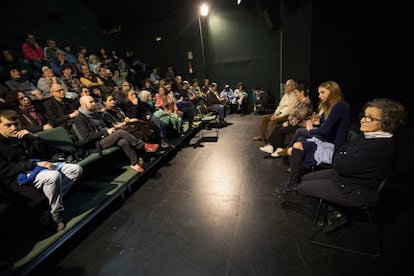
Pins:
<point x="285" y="107"/>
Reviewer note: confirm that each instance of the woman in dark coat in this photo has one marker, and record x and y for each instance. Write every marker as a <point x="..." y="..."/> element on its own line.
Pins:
<point x="360" y="166"/>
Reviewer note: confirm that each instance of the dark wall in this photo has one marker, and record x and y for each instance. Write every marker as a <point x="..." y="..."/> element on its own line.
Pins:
<point x="362" y="47"/>
<point x="240" y="44"/>
<point x="74" y="22"/>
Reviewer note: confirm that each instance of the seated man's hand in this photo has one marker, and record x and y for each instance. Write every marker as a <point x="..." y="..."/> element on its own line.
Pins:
<point x="46" y="164"/>
<point x="21" y="133"/>
<point x="111" y="130"/>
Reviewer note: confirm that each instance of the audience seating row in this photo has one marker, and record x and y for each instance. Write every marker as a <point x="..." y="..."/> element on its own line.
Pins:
<point x="59" y="138"/>
<point x="106" y="179"/>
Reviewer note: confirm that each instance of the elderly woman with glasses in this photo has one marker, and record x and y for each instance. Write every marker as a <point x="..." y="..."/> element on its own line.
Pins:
<point x="360" y="166"/>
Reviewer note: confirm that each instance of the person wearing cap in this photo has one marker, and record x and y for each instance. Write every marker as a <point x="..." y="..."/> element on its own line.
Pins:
<point x="227" y="93"/>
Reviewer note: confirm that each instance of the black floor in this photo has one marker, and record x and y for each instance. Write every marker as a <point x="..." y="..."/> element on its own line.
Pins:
<point x="211" y="211"/>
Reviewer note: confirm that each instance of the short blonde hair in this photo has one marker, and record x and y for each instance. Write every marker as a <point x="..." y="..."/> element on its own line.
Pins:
<point x="143" y="95"/>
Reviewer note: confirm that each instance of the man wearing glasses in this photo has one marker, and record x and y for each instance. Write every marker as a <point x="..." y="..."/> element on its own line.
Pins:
<point x="60" y="110"/>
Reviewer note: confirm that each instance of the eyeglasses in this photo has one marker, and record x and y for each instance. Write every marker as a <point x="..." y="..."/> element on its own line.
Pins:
<point x="368" y="119"/>
<point x="58" y="90"/>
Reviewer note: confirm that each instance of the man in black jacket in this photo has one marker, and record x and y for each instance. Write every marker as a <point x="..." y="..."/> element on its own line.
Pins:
<point x="24" y="169"/>
<point x="60" y="110"/>
<point x="93" y="128"/>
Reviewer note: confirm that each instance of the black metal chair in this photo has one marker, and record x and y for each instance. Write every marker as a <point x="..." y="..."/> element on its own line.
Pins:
<point x="317" y="235"/>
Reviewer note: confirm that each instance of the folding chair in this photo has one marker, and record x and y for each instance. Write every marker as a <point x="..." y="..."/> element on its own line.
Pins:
<point x="318" y="237"/>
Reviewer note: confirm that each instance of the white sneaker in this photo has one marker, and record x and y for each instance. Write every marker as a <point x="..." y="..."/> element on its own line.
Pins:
<point x="268" y="148"/>
<point x="276" y="152"/>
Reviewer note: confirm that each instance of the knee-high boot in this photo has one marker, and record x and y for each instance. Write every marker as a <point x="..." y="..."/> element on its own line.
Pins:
<point x="296" y="161"/>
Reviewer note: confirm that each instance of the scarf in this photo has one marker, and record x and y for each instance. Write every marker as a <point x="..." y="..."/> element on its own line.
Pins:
<point x="93" y="115"/>
<point x="30" y="109"/>
<point x="377" y="134"/>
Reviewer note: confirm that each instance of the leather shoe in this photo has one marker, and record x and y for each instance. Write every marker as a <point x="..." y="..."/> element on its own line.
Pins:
<point x="334" y="221"/>
<point x="288" y="195"/>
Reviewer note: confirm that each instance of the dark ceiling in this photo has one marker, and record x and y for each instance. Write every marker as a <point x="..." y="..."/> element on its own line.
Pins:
<point x="112" y="13"/>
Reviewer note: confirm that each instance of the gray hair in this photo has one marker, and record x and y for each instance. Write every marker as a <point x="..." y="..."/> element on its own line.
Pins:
<point x="393" y="115"/>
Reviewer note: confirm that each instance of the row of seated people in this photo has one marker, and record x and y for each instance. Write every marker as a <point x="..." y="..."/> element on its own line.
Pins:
<point x="71" y="84"/>
<point x="125" y="106"/>
<point x="183" y="96"/>
<point x="33" y="56"/>
<point x="30" y="155"/>
<point x="237" y="100"/>
<point x="352" y="168"/>
<point x="129" y="125"/>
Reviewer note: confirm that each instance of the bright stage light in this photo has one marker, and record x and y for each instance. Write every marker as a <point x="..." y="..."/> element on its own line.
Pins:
<point x="204" y="9"/>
